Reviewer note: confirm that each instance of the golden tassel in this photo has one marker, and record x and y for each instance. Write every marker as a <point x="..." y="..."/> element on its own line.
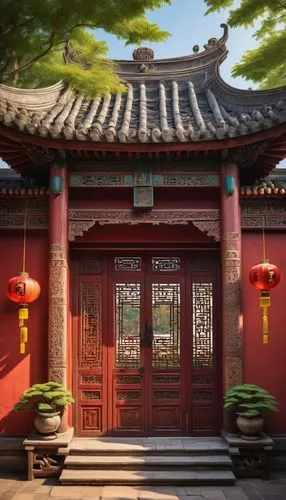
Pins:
<point x="24" y="334"/>
<point x="22" y="348"/>
<point x="265" y="304"/>
<point x="23" y="313"/>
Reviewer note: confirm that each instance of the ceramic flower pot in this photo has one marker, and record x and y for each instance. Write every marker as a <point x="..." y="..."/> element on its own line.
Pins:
<point x="47" y="424"/>
<point x="250" y="428"/>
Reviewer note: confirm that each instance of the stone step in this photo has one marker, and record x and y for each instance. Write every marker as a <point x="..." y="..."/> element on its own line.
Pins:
<point x="147" y="461"/>
<point x="119" y="477"/>
<point x="189" y="446"/>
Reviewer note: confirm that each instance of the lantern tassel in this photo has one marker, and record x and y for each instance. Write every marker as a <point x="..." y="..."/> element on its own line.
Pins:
<point x="23" y="312"/>
<point x="265" y="304"/>
<point x="265" y="325"/>
<point x="24" y="334"/>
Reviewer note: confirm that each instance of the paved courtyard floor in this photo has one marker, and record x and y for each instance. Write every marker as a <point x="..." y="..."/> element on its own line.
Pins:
<point x="17" y="488"/>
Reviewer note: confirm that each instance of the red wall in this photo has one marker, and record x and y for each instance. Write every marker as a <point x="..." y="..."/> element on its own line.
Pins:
<point x="18" y="372"/>
<point x="265" y="365"/>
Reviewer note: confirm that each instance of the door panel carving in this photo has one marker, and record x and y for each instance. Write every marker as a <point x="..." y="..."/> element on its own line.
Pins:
<point x="147" y="351"/>
<point x="166" y="325"/>
<point x="127" y="321"/>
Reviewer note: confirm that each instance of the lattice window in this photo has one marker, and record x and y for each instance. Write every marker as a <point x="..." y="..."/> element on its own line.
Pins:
<point x="91" y="379"/>
<point x="91" y="395"/>
<point x="166" y="264"/>
<point x="128" y="379"/>
<point x="89" y="265"/>
<point x="166" y="379"/>
<point x="203" y="325"/>
<point x="91" y="326"/>
<point x="127" y="395"/>
<point x="166" y="395"/>
<point x="127" y="320"/>
<point x="127" y="263"/>
<point x="166" y="325"/>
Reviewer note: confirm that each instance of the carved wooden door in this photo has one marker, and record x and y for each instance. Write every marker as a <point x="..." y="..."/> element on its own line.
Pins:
<point x="147" y="389"/>
<point x="147" y="345"/>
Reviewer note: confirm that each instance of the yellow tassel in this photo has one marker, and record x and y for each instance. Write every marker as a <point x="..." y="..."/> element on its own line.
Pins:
<point x="23" y="313"/>
<point x="22" y="348"/>
<point x="265" y="339"/>
<point x="265" y="321"/>
<point x="265" y="300"/>
<point x="24" y="334"/>
<point x="21" y="323"/>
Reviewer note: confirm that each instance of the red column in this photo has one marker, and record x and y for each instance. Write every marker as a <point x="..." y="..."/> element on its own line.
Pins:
<point x="58" y="277"/>
<point x="231" y="276"/>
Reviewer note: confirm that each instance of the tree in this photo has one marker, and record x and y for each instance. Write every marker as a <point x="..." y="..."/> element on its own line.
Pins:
<point x="35" y="33"/>
<point x="265" y="65"/>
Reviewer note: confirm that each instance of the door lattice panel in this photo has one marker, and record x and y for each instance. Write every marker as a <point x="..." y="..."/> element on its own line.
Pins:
<point x="203" y="325"/>
<point x="91" y="325"/>
<point x="127" y="320"/>
<point x="166" y="325"/>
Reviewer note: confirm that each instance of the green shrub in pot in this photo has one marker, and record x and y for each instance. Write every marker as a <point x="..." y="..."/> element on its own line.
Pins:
<point x="249" y="402"/>
<point x="48" y="400"/>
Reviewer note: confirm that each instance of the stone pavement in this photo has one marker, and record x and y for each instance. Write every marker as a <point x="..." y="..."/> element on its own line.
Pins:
<point x="17" y="488"/>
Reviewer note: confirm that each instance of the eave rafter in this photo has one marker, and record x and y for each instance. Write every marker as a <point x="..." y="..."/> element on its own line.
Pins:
<point x="257" y="153"/>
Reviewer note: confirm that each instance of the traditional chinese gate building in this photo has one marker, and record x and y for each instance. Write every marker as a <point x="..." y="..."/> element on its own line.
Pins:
<point x="142" y="228"/>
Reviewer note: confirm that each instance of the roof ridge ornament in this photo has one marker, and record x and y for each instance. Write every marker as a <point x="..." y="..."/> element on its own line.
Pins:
<point x="213" y="42"/>
<point x="143" y="54"/>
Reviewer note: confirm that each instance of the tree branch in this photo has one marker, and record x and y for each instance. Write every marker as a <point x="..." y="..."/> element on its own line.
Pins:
<point x="36" y="58"/>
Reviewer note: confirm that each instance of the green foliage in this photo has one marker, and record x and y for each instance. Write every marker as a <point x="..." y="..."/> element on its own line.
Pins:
<point x="265" y="65"/>
<point x="33" y="36"/>
<point x="48" y="397"/>
<point x="249" y="400"/>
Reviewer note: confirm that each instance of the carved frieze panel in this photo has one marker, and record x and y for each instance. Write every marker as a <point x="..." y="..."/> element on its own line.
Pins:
<point x="106" y="180"/>
<point x="257" y="214"/>
<point x="13" y="212"/>
<point x="186" y="180"/>
<point x="118" y="179"/>
<point x="206" y="220"/>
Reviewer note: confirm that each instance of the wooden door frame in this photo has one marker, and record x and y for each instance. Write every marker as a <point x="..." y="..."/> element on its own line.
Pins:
<point x="76" y="252"/>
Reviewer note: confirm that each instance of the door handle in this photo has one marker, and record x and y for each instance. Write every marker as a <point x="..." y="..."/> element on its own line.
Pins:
<point x="146" y="336"/>
<point x="149" y="336"/>
<point x="143" y="337"/>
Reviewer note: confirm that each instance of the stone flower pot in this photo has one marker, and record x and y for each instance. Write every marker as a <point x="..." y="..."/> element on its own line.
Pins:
<point x="250" y="428"/>
<point x="47" y="424"/>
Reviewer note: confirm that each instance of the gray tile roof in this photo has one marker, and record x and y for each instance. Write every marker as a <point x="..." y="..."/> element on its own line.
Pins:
<point x="167" y="101"/>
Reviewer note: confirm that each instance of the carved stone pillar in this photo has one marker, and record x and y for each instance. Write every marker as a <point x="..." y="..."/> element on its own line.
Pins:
<point x="231" y="276"/>
<point x="58" y="274"/>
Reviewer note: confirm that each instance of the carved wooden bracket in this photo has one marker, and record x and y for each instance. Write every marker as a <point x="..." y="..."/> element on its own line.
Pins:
<point x="81" y="221"/>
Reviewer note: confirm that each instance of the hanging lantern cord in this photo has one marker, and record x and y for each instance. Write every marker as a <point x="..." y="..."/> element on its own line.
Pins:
<point x="25" y="236"/>
<point x="23" y="311"/>
<point x="263" y="244"/>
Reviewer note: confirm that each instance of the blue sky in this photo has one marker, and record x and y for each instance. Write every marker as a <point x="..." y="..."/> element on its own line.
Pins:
<point x="188" y="25"/>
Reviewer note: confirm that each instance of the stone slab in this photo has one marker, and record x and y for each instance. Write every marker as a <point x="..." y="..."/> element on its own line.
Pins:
<point x="148" y="477"/>
<point x="161" y="460"/>
<point x="62" y="440"/>
<point x="237" y="441"/>
<point x="144" y="445"/>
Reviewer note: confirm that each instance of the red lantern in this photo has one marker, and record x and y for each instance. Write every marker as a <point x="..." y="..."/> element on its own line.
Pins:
<point x="264" y="277"/>
<point x="23" y="290"/>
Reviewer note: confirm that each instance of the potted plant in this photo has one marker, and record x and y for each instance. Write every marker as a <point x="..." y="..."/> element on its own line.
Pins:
<point x="48" y="401"/>
<point x="250" y="402"/>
